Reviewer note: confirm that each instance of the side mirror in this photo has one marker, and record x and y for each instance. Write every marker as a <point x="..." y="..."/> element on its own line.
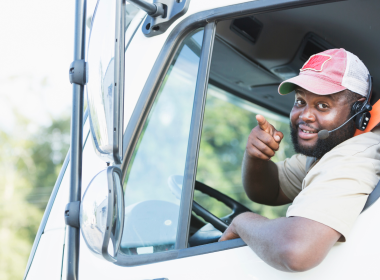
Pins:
<point x="105" y="79"/>
<point x="101" y="214"/>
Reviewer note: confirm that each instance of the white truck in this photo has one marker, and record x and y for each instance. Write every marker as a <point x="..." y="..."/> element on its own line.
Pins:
<point x="166" y="82"/>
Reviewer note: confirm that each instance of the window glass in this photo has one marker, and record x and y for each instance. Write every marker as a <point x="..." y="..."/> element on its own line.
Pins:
<point x="228" y="120"/>
<point x="151" y="201"/>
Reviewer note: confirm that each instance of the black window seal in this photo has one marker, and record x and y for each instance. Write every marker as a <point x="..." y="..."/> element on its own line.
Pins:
<point x="50" y="204"/>
<point x="150" y="90"/>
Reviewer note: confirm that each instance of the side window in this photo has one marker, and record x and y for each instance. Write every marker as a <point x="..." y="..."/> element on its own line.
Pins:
<point x="228" y="120"/>
<point x="151" y="203"/>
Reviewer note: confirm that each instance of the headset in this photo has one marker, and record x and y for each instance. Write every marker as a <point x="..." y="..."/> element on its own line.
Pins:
<point x="359" y="111"/>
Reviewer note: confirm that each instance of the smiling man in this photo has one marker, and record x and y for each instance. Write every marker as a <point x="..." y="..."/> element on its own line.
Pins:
<point x="327" y="181"/>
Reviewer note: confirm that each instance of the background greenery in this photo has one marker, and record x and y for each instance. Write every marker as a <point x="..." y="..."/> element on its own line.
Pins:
<point x="29" y="164"/>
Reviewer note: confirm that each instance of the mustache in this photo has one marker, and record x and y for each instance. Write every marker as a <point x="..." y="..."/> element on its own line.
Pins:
<point x="306" y="124"/>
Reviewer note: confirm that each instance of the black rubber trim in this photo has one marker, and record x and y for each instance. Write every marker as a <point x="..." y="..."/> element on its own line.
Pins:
<point x="211" y="248"/>
<point x="49" y="206"/>
<point x="153" y="83"/>
<point x="138" y="260"/>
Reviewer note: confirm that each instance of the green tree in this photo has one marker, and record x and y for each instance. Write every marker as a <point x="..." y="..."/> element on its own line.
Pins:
<point x="30" y="164"/>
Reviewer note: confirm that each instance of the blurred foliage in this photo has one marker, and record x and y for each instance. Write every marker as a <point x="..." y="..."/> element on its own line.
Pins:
<point x="227" y="124"/>
<point x="30" y="162"/>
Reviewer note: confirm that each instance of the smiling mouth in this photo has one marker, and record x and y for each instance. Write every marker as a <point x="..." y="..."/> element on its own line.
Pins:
<point x="307" y="131"/>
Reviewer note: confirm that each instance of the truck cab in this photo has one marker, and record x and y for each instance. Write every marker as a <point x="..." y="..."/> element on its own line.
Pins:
<point x="171" y="99"/>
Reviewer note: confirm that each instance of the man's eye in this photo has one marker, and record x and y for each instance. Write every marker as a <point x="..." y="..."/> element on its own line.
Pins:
<point x="322" y="106"/>
<point x="299" y="102"/>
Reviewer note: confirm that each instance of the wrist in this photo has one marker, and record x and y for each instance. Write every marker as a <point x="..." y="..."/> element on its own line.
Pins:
<point x="239" y="220"/>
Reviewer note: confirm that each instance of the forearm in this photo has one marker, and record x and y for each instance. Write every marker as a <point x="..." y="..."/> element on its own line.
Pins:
<point x="262" y="238"/>
<point x="288" y="244"/>
<point x="260" y="180"/>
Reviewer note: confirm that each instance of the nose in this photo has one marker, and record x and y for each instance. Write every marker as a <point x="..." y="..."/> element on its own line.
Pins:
<point x="307" y="115"/>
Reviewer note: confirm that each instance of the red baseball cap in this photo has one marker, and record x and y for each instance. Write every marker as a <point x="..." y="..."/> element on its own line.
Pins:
<point x="329" y="72"/>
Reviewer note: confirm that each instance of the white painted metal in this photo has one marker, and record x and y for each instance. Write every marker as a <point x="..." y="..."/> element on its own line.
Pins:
<point x="355" y="259"/>
<point x="47" y="260"/>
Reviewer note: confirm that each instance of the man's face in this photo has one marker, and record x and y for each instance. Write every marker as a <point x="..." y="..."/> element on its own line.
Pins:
<point x="312" y="113"/>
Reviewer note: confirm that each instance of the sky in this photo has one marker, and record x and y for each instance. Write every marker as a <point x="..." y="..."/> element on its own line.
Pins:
<point x="37" y="44"/>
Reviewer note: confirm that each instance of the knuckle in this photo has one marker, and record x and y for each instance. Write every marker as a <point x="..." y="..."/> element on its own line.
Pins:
<point x="266" y="138"/>
<point x="251" y="152"/>
<point x="269" y="152"/>
<point x="276" y="146"/>
<point x="258" y="154"/>
<point x="264" y="157"/>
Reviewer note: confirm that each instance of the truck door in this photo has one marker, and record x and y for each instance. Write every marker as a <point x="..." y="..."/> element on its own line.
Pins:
<point x="153" y="218"/>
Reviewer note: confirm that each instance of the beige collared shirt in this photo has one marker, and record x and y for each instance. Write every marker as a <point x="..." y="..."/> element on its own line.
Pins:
<point x="333" y="190"/>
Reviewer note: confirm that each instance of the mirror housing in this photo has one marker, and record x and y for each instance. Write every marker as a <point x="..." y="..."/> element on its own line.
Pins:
<point x="105" y="79"/>
<point x="101" y="214"/>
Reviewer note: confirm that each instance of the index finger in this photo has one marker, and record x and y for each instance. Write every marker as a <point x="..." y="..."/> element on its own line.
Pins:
<point x="263" y="123"/>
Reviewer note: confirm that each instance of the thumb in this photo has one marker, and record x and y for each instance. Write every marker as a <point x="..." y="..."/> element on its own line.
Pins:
<point x="263" y="123"/>
<point x="278" y="135"/>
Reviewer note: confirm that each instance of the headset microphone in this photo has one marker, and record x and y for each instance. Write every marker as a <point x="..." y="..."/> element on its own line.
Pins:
<point x="323" y="134"/>
<point x="361" y="109"/>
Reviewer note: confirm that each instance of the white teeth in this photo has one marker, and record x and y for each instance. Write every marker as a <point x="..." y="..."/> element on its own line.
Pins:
<point x="306" y="131"/>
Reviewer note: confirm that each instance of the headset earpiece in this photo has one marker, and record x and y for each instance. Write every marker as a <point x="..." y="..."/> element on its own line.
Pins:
<point x="359" y="114"/>
<point x="363" y="115"/>
<point x="362" y="108"/>
<point x="362" y="120"/>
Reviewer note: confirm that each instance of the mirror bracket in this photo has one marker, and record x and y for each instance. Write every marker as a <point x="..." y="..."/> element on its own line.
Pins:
<point x="72" y="210"/>
<point x="172" y="9"/>
<point x="77" y="72"/>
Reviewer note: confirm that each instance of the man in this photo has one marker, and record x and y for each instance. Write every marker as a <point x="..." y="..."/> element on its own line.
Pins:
<point x="328" y="180"/>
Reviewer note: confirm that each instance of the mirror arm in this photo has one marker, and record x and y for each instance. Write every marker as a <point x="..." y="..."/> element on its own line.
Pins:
<point x="161" y="14"/>
<point x="72" y="214"/>
<point x="152" y="9"/>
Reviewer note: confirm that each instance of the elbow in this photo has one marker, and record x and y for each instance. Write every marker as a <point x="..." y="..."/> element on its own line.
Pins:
<point x="298" y="259"/>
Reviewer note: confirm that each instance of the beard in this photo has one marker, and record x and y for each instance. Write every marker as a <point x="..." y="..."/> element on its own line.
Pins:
<point x="323" y="146"/>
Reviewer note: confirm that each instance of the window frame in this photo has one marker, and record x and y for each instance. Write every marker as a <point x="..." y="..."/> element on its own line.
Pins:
<point x="147" y="97"/>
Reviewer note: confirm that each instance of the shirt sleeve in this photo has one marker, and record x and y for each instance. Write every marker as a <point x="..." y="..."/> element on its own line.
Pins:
<point x="291" y="173"/>
<point x="335" y="191"/>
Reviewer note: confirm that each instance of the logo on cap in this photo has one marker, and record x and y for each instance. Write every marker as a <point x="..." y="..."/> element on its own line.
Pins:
<point x="316" y="62"/>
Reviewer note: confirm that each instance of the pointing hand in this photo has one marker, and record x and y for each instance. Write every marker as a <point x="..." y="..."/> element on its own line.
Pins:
<point x="264" y="140"/>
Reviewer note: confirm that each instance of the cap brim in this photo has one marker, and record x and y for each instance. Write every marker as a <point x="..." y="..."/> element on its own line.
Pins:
<point x="310" y="83"/>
